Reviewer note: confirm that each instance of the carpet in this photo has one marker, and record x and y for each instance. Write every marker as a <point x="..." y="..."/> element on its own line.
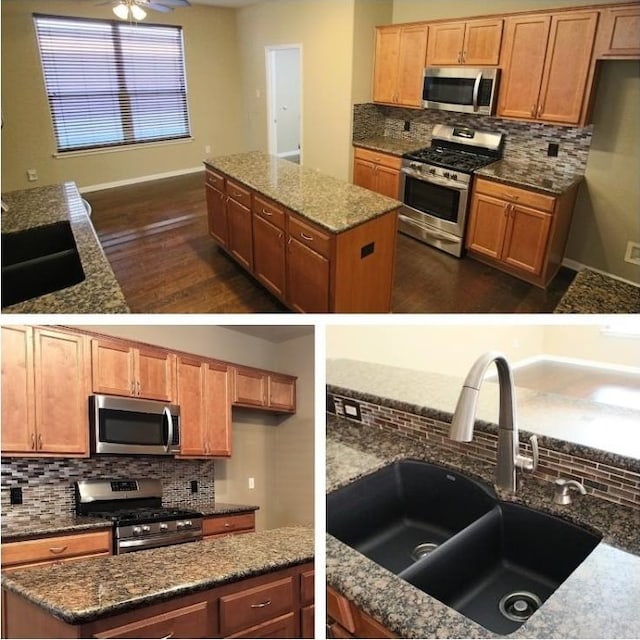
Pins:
<point x="592" y="292"/>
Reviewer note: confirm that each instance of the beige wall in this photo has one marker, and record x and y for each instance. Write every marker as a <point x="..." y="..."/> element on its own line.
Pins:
<point x="212" y="67"/>
<point x="277" y="451"/>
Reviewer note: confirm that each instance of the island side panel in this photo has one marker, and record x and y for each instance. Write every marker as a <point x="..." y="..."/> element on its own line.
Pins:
<point x="364" y="264"/>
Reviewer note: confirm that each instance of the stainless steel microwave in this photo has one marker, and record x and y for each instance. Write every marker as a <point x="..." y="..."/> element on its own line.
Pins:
<point x="465" y="89"/>
<point x="133" y="426"/>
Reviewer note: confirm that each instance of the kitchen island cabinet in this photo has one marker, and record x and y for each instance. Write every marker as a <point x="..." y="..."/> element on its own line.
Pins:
<point x="338" y="239"/>
<point x="236" y="585"/>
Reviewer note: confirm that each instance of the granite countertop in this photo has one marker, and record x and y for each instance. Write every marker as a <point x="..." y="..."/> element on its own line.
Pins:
<point x="100" y="291"/>
<point x="599" y="599"/>
<point x="326" y="201"/>
<point x="20" y="526"/>
<point x="387" y="144"/>
<point x="86" y="590"/>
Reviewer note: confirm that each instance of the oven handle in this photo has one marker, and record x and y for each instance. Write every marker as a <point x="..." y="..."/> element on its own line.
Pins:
<point x="152" y="543"/>
<point x="169" y="417"/>
<point x="427" y="229"/>
<point x="476" y="90"/>
<point x="443" y="182"/>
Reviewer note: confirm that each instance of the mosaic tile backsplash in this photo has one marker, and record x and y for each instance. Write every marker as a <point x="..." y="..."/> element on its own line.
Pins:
<point x="604" y="481"/>
<point x="524" y="141"/>
<point x="47" y="483"/>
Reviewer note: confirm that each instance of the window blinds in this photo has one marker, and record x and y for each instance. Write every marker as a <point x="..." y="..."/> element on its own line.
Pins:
<point x="111" y="84"/>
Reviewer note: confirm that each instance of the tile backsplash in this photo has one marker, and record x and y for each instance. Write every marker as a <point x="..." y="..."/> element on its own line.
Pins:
<point x="47" y="483"/>
<point x="524" y="141"/>
<point x="605" y="481"/>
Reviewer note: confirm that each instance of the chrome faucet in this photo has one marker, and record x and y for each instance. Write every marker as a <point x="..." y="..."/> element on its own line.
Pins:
<point x="509" y="458"/>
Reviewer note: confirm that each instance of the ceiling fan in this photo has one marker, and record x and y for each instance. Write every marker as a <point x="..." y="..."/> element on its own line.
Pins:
<point x="136" y="9"/>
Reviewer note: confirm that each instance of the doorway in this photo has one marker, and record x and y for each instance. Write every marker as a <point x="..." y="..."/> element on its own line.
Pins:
<point x="284" y="98"/>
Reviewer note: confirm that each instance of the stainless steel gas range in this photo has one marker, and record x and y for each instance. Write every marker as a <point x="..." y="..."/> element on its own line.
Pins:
<point x="435" y="184"/>
<point x="135" y="509"/>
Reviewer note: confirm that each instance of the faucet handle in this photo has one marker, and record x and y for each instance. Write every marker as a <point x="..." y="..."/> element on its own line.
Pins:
<point x="562" y="487"/>
<point x="529" y="464"/>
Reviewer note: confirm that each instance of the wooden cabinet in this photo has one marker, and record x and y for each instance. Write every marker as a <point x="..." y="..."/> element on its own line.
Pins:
<point x="269" y="253"/>
<point x="205" y="407"/>
<point x="307" y="598"/>
<point x="475" y="42"/>
<point x="537" y="82"/>
<point x="281" y="393"/>
<point x="227" y="524"/>
<point x="121" y="369"/>
<point x="399" y="64"/>
<point x="44" y="551"/>
<point x="346" y="620"/>
<point x="379" y="172"/>
<point x="216" y="207"/>
<point x="522" y="232"/>
<point x="240" y="224"/>
<point x="45" y="386"/>
<point x="264" y="390"/>
<point x="618" y="34"/>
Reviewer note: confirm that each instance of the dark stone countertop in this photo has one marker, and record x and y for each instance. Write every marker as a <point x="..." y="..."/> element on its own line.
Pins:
<point x="324" y="200"/>
<point x="86" y="590"/>
<point x="599" y="599"/>
<point x="99" y="292"/>
<point x="20" y="526"/>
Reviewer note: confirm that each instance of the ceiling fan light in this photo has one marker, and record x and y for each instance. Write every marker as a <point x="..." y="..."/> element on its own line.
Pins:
<point x="122" y="11"/>
<point x="137" y="12"/>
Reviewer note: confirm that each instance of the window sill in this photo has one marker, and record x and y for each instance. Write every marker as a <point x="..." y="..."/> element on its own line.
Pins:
<point x="128" y="147"/>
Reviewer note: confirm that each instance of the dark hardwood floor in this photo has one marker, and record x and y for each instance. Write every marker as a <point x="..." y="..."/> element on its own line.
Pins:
<point x="155" y="237"/>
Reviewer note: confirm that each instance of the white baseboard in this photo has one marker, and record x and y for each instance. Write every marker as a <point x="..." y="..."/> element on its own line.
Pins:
<point x="128" y="181"/>
<point x="579" y="266"/>
<point x="288" y="154"/>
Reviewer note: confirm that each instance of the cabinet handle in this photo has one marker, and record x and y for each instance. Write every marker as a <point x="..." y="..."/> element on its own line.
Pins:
<point x="138" y="387"/>
<point x="237" y="195"/>
<point x="133" y="388"/>
<point x="58" y="549"/>
<point x="280" y="236"/>
<point x="506" y="209"/>
<point x="40" y="441"/>
<point x="261" y="605"/>
<point x="267" y="212"/>
<point x="222" y="196"/>
<point x="459" y="57"/>
<point x="540" y="108"/>
<point x="227" y="525"/>
<point x="304" y="236"/>
<point x="464" y="56"/>
<point x="33" y="440"/>
<point x="167" y="637"/>
<point x="533" y="110"/>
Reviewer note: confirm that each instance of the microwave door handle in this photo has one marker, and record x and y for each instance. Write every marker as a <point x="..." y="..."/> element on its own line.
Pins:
<point x="167" y="415"/>
<point x="476" y="90"/>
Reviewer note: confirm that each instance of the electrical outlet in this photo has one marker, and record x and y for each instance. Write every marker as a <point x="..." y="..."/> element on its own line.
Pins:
<point x="632" y="254"/>
<point x="194" y="486"/>
<point x="407" y="125"/>
<point x="32" y="175"/>
<point x="207" y="149"/>
<point x="351" y="409"/>
<point x="16" y="495"/>
<point x="252" y="483"/>
<point x="552" y="150"/>
<point x="331" y="404"/>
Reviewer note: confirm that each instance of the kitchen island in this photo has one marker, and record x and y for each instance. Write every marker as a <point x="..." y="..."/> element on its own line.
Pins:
<point x="200" y="589"/>
<point x="317" y="243"/>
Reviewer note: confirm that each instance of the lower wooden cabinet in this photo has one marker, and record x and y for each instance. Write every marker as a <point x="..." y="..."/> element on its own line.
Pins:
<point x="224" y="525"/>
<point x="379" y="172"/>
<point x="346" y="620"/>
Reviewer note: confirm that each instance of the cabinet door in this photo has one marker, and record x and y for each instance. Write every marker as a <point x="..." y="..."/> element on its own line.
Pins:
<point x="307" y="621"/>
<point x="364" y="174"/>
<point x="482" y="42"/>
<point x="282" y="393"/>
<point x="526" y="239"/>
<point x="217" y="409"/>
<point x="563" y="83"/>
<point x="250" y="387"/>
<point x="240" y="233"/>
<point x="410" y="68"/>
<point x="487" y="225"/>
<point x="269" y="255"/>
<point x="192" y="411"/>
<point x="217" y="215"/>
<point x="386" y="64"/>
<point x="112" y="368"/>
<point x="445" y="43"/>
<point x="307" y="279"/>
<point x="18" y="410"/>
<point x="61" y="392"/>
<point x="387" y="181"/>
<point x="282" y="627"/>
<point x="619" y="33"/>
<point x="523" y="64"/>
<point x="155" y="374"/>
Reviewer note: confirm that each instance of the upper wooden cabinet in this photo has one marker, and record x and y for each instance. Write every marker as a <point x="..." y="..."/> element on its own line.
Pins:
<point x="45" y="386"/>
<point x="264" y="389"/>
<point x="205" y="407"/>
<point x="619" y="33"/>
<point x="399" y="65"/>
<point x="121" y="369"/>
<point x="475" y="42"/>
<point x="538" y="82"/>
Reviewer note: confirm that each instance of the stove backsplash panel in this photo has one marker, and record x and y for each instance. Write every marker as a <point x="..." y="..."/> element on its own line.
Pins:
<point x="47" y="483"/>
<point x="524" y="141"/>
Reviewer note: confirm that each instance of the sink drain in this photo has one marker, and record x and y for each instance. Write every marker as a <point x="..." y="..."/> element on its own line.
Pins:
<point x="423" y="549"/>
<point x="519" y="605"/>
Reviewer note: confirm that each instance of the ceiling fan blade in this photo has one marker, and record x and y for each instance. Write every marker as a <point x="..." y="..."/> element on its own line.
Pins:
<point x="176" y="3"/>
<point x="155" y="6"/>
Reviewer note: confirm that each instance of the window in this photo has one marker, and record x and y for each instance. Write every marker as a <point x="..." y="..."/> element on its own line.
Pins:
<point x="111" y="84"/>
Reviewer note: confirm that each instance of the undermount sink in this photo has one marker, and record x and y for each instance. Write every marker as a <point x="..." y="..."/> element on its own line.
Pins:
<point x="493" y="562"/>
<point x="39" y="261"/>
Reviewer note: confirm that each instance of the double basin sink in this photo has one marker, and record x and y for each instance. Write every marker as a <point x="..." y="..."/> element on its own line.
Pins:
<point x="449" y="536"/>
<point x="39" y="261"/>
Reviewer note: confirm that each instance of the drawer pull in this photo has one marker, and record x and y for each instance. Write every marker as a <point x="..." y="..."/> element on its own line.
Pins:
<point x="58" y="549"/>
<point x="304" y="236"/>
<point x="266" y="212"/>
<point x="33" y="440"/>
<point x="167" y="637"/>
<point x="227" y="524"/>
<point x="237" y="195"/>
<point x="261" y="605"/>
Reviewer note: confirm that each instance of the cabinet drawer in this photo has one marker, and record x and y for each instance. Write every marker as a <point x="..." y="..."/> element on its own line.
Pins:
<point x="56" y="548"/>
<point x="393" y="162"/>
<point x="310" y="236"/>
<point x="228" y="524"/>
<point x="306" y="587"/>
<point x="215" y="180"/>
<point x="269" y="210"/>
<point x="238" y="193"/>
<point x="253" y="606"/>
<point x="514" y="194"/>
<point x="339" y="608"/>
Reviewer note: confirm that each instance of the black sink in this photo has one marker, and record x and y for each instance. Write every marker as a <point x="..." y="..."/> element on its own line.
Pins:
<point x="39" y="261"/>
<point x="404" y="511"/>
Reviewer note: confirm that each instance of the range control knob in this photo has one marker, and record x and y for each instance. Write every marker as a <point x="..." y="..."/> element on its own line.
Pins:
<point x="179" y="524"/>
<point x="432" y="171"/>
<point x="137" y="531"/>
<point x="188" y="524"/>
<point x="453" y="176"/>
<point x="446" y="174"/>
<point x="164" y="526"/>
<point x="146" y="528"/>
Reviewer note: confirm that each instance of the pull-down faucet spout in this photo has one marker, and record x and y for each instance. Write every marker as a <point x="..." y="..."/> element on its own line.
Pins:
<point x="509" y="458"/>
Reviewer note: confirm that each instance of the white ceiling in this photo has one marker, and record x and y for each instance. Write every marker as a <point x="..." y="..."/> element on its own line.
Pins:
<point x="234" y="4"/>
<point x="272" y="333"/>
